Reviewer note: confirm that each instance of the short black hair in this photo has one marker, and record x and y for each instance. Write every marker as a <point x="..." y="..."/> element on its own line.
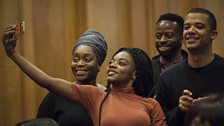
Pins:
<point x="209" y="110"/>
<point x="144" y="76"/>
<point x="211" y="17"/>
<point x="172" y="17"/>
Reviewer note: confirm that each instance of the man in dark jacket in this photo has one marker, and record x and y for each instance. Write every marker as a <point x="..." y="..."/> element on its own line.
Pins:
<point x="169" y="30"/>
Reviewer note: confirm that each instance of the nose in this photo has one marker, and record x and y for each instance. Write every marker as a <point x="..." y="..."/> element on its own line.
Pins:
<point x="191" y="29"/>
<point x="80" y="63"/>
<point x="163" y="39"/>
<point x="113" y="65"/>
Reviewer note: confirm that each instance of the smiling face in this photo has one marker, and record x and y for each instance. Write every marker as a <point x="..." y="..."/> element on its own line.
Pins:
<point x="84" y="65"/>
<point x="168" y="38"/>
<point x="197" y="32"/>
<point x="121" y="69"/>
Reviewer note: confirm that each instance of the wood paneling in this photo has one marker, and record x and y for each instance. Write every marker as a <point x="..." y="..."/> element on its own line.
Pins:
<point x="53" y="26"/>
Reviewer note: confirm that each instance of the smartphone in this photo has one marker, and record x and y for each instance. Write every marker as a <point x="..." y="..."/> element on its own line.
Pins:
<point x="20" y="29"/>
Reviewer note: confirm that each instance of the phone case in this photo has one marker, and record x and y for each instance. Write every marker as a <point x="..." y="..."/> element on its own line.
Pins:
<point x="20" y="29"/>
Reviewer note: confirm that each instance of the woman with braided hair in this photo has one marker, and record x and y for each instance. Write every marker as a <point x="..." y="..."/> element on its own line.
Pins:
<point x="126" y="101"/>
<point x="130" y="82"/>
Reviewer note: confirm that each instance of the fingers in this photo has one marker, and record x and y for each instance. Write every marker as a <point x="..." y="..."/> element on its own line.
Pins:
<point x="182" y="107"/>
<point x="10" y="27"/>
<point x="9" y="33"/>
<point x="9" y="39"/>
<point x="195" y="101"/>
<point x="187" y="92"/>
<point x="186" y="100"/>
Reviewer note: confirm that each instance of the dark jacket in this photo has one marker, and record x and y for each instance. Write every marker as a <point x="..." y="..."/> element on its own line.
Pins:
<point x="157" y="70"/>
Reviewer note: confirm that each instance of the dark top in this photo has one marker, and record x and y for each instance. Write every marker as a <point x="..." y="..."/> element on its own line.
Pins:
<point x="38" y="122"/>
<point x="156" y="66"/>
<point x="64" y="112"/>
<point x="200" y="81"/>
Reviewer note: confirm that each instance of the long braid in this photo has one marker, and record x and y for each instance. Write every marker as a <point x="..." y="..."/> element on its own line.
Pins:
<point x="144" y="80"/>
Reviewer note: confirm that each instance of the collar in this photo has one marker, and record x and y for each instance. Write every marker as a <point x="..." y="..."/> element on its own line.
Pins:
<point x="164" y="65"/>
<point x="116" y="90"/>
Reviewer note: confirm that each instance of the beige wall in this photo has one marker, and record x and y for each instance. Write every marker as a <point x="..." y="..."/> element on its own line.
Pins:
<point x="52" y="26"/>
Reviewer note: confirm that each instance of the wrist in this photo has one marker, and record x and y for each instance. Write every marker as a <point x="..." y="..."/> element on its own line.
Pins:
<point x="10" y="53"/>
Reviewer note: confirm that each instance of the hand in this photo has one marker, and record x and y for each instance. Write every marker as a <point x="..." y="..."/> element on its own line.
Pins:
<point x="186" y="100"/>
<point x="195" y="101"/>
<point x="9" y="39"/>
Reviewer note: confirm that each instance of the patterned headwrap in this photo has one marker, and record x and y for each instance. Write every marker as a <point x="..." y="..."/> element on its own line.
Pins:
<point x="96" y="41"/>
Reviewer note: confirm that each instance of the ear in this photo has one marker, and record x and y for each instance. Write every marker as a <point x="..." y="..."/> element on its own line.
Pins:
<point x="98" y="68"/>
<point x="214" y="34"/>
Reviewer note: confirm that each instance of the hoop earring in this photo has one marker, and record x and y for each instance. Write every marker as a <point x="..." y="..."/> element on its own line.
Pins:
<point x="134" y="77"/>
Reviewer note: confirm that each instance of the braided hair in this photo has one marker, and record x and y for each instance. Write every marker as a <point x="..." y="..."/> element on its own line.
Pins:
<point x="144" y="76"/>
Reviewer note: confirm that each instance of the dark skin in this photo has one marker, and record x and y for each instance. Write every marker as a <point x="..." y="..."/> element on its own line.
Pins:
<point x="84" y="65"/>
<point x="121" y="70"/>
<point x="168" y="40"/>
<point x="121" y="75"/>
<point x="55" y="85"/>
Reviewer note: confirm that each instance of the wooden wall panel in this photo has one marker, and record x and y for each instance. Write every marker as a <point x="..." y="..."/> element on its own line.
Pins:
<point x="53" y="26"/>
<point x="217" y="10"/>
<point x="108" y="17"/>
<point x="10" y="75"/>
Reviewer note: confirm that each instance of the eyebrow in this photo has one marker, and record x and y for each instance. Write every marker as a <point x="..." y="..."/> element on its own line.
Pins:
<point x="120" y="59"/>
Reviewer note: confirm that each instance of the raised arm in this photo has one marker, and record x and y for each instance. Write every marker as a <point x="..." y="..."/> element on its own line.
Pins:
<point x="58" y="86"/>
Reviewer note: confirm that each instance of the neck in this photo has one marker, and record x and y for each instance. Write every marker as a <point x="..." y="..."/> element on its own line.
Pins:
<point x="122" y="85"/>
<point x="201" y="59"/>
<point x="86" y="82"/>
<point x="200" y="56"/>
<point x="172" y="58"/>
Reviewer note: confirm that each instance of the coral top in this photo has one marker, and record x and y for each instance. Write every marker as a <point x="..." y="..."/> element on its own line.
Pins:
<point x="121" y="108"/>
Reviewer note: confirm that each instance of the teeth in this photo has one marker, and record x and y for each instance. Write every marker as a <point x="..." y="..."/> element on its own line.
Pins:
<point x="111" y="73"/>
<point x="191" y="39"/>
<point x="80" y="72"/>
<point x="164" y="47"/>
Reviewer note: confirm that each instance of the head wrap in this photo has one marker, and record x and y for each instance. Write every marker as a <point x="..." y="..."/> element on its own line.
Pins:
<point x="96" y="41"/>
<point x="38" y="122"/>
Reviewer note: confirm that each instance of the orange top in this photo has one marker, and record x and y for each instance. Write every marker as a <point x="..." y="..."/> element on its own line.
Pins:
<point x="121" y="108"/>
